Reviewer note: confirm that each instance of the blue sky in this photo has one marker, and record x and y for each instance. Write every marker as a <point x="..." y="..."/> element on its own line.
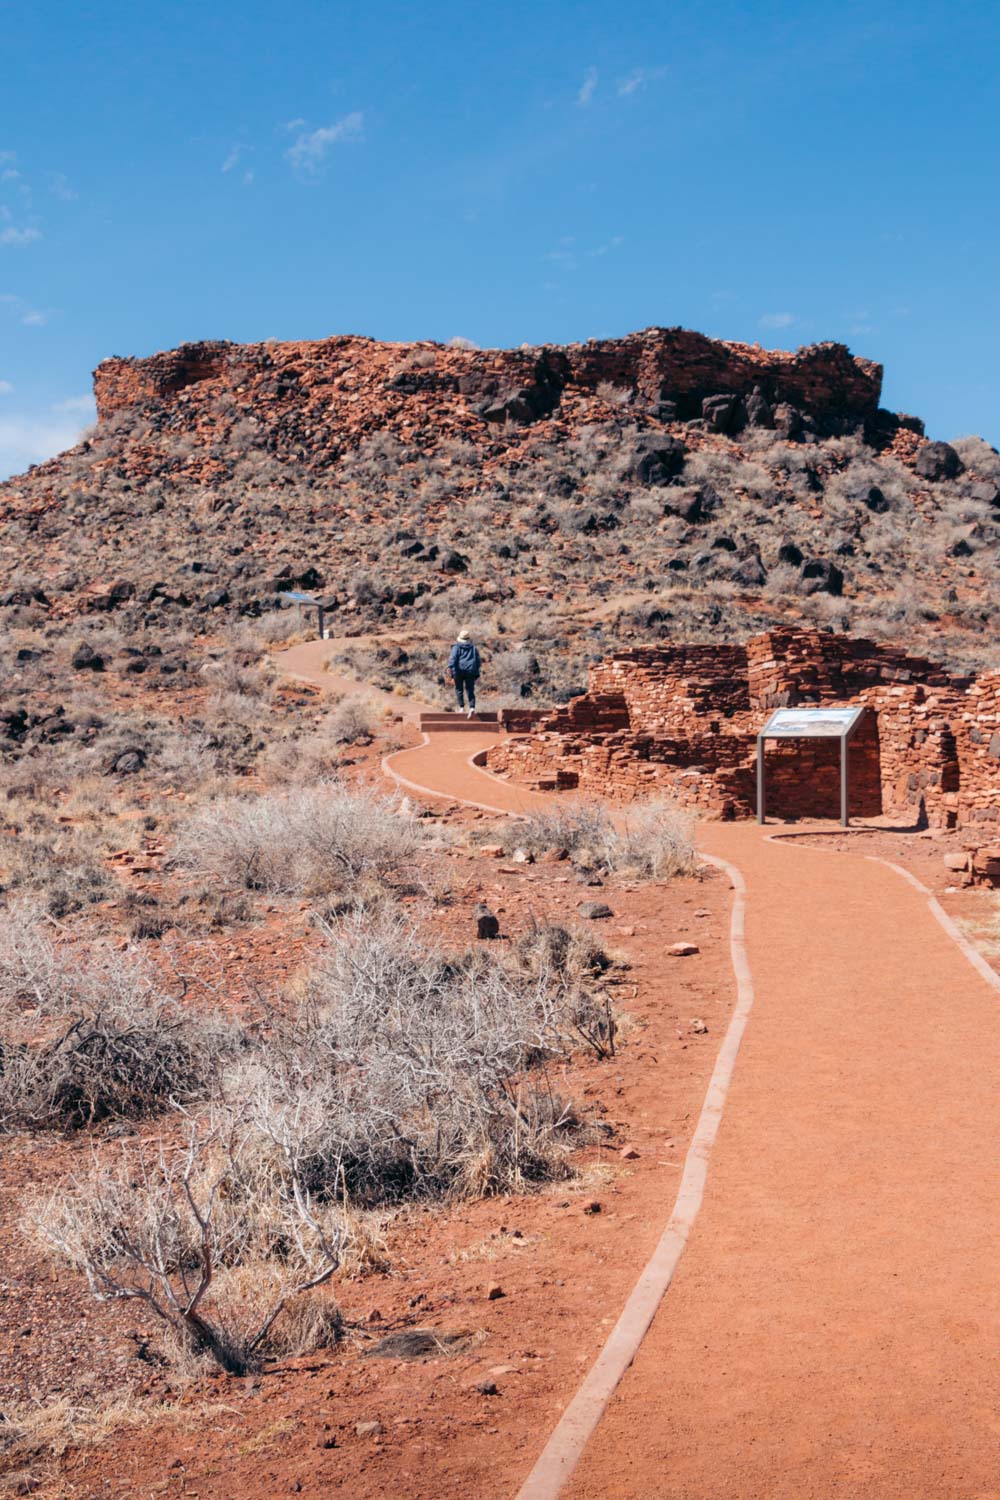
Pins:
<point x="525" y="172"/>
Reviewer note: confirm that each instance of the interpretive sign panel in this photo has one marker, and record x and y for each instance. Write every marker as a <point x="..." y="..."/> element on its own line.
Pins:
<point x="832" y="722"/>
<point x="296" y="597"/>
<point x="810" y="723"/>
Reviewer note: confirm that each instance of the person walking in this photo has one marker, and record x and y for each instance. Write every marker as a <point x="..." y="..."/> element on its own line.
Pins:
<point x="464" y="666"/>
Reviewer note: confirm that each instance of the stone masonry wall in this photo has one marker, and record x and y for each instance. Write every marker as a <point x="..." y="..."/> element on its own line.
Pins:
<point x="659" y="363"/>
<point x="683" y="721"/>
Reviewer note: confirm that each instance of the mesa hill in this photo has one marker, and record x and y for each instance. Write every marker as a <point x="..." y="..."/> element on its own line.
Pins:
<point x="564" y="501"/>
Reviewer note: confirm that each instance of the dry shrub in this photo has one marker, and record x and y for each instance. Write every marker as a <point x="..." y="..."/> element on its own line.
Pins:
<point x="216" y="1238"/>
<point x="428" y="1070"/>
<point x="353" y="721"/>
<point x="657" y="839"/>
<point x="309" y="842"/>
<point x="653" y="838"/>
<point x="94" y="1037"/>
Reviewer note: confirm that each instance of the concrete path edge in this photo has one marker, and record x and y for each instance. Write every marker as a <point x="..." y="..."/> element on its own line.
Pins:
<point x="565" y="1447"/>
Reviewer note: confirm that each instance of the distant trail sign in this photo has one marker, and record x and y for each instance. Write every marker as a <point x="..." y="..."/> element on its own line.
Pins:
<point x="295" y="597"/>
<point x="828" y="723"/>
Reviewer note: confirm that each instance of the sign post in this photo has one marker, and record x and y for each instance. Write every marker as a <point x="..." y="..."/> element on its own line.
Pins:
<point x="294" y="597"/>
<point x="835" y="722"/>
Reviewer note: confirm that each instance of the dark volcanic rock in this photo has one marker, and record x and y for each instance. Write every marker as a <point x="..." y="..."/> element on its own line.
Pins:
<point x="86" y="659"/>
<point x="937" y="461"/>
<point x="821" y="576"/>
<point x="724" y="413"/>
<point x="658" y="459"/>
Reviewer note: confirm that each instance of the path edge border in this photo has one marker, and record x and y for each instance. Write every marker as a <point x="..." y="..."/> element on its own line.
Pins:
<point x="565" y="1446"/>
<point x="968" y="949"/>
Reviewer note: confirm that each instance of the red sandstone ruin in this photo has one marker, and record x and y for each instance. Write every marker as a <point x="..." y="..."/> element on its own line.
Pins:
<point x="683" y="721"/>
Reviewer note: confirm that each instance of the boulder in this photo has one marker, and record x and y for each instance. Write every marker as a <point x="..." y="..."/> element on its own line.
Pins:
<point x="820" y="576"/>
<point x="875" y="500"/>
<point x="759" y="413"/>
<point x="937" y="461"/>
<point x="658" y="459"/>
<point x="988" y="492"/>
<point x="788" y="421"/>
<point x="487" y="925"/>
<point x="692" y="506"/>
<point x="127" y="762"/>
<point x="789" y="553"/>
<point x="750" y="571"/>
<point x="724" y="413"/>
<point x="594" y="911"/>
<point x="86" y="659"/>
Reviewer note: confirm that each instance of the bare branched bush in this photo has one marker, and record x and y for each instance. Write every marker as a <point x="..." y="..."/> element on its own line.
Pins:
<point x="310" y="842"/>
<point x="216" y="1246"/>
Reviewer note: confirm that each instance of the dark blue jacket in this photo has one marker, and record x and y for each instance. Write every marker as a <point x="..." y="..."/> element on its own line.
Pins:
<point x="464" y="659"/>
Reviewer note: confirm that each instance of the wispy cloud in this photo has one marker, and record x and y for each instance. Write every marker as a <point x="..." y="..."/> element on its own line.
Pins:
<point x="233" y="159"/>
<point x="614" y="243"/>
<point x="587" y="88"/>
<point x="777" y="320"/>
<point x="19" y="237"/>
<point x="5" y="388"/>
<point x="638" y="79"/>
<point x="311" y="148"/>
<point x="30" y="317"/>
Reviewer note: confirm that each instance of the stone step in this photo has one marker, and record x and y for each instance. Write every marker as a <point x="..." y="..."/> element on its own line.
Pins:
<point x="457" y="723"/>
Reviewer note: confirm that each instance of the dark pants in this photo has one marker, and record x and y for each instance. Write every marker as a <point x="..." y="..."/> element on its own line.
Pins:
<point x="465" y="682"/>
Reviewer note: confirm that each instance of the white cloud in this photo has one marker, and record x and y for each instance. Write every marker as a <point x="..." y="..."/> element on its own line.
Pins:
<point x="777" y="320"/>
<point x="19" y="237"/>
<point x="30" y="317"/>
<point x="637" y="79"/>
<point x="310" y="150"/>
<point x="232" y="159"/>
<point x="28" y="440"/>
<point x="587" y="88"/>
<point x="5" y="387"/>
<point x="614" y="243"/>
<point x="83" y="404"/>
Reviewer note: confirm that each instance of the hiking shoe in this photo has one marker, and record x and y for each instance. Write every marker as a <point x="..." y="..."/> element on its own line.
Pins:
<point x="470" y="713"/>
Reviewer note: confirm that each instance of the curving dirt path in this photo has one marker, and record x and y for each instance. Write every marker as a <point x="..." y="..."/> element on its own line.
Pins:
<point x="833" y="1327"/>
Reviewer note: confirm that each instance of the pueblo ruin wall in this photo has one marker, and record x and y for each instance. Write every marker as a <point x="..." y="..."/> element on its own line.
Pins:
<point x="682" y="721"/>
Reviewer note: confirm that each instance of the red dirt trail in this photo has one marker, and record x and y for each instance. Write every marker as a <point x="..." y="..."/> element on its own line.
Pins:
<point x="834" y="1324"/>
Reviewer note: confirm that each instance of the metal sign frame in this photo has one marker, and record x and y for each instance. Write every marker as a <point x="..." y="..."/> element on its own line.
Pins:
<point x="308" y="602"/>
<point x="835" y="721"/>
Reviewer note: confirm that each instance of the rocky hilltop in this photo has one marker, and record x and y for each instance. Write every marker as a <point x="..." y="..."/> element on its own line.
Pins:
<point x="575" y="499"/>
